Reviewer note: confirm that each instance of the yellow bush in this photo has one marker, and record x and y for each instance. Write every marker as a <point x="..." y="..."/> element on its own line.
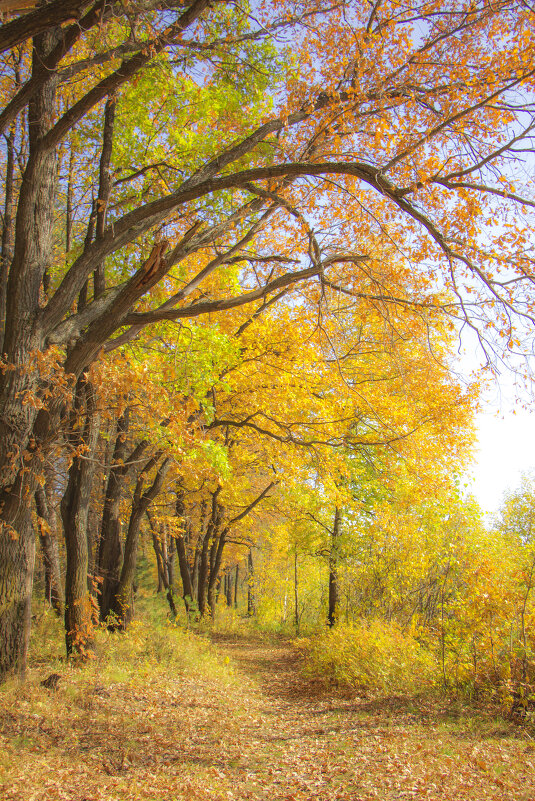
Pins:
<point x="373" y="655"/>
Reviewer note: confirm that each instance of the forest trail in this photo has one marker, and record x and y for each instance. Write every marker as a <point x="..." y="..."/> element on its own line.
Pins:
<point x="313" y="744"/>
<point x="253" y="729"/>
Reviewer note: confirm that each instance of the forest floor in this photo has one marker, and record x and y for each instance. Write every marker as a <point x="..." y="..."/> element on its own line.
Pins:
<point x="240" y="722"/>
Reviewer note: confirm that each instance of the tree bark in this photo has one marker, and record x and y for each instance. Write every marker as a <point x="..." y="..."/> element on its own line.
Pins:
<point x="123" y="603"/>
<point x="188" y="592"/>
<point x="207" y="543"/>
<point x="110" y="554"/>
<point x="334" y="592"/>
<point x="74" y="512"/>
<point x="160" y="564"/>
<point x="215" y="567"/>
<point x="49" y="548"/>
<point x="228" y="587"/>
<point x="104" y="190"/>
<point x="296" y="594"/>
<point x="251" y="605"/>
<point x="7" y="228"/>
<point x="32" y="252"/>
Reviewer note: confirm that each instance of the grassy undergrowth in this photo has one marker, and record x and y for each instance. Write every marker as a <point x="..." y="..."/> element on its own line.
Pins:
<point x="152" y="643"/>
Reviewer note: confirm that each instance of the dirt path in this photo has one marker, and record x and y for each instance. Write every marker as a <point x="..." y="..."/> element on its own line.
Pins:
<point x="305" y="745"/>
<point x="243" y="725"/>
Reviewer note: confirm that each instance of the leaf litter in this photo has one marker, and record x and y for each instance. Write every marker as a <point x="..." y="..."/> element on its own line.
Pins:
<point x="256" y="731"/>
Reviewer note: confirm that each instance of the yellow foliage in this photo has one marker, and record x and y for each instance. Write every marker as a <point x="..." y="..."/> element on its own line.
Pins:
<point x="374" y="656"/>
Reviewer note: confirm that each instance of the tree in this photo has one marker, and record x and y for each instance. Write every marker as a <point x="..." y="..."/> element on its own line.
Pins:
<point x="390" y="148"/>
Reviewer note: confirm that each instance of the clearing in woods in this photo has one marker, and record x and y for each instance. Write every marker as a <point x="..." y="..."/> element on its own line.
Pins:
<point x="251" y="729"/>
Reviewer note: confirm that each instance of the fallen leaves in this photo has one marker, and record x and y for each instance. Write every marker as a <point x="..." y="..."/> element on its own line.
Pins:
<point x="257" y="734"/>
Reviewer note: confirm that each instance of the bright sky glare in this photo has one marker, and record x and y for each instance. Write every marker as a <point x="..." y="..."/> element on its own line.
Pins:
<point x="506" y="450"/>
<point x="506" y="434"/>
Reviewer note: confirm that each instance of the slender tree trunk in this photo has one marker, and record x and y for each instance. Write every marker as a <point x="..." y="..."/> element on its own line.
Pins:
<point x="7" y="228"/>
<point x="68" y="209"/>
<point x="236" y="578"/>
<point x="228" y="587"/>
<point x="215" y="569"/>
<point x="160" y="566"/>
<point x="110" y="556"/>
<point x="164" y="564"/>
<point x="110" y="551"/>
<point x="333" y="571"/>
<point x="251" y="605"/>
<point x="170" y="560"/>
<point x="104" y="189"/>
<point x="187" y="584"/>
<point x="196" y="567"/>
<point x="203" y="575"/>
<point x="296" y="594"/>
<point x="206" y="553"/>
<point x="49" y="548"/>
<point x="188" y="592"/>
<point x="123" y="603"/>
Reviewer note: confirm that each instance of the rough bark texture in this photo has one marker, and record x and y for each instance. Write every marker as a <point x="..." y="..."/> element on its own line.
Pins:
<point x="32" y="251"/>
<point x="187" y="584"/>
<point x="104" y="190"/>
<point x="110" y="555"/>
<point x="164" y="549"/>
<point x="215" y="567"/>
<point x="206" y="552"/>
<point x="110" y="548"/>
<point x="228" y="587"/>
<point x="49" y="549"/>
<point x="7" y="228"/>
<point x="74" y="513"/>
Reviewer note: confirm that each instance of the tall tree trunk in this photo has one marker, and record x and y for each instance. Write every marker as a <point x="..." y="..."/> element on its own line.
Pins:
<point x="236" y="578"/>
<point x="104" y="189"/>
<point x="203" y="575"/>
<point x="188" y="592"/>
<point x="170" y="560"/>
<point x="251" y="605"/>
<point x="49" y="548"/>
<point x="160" y="564"/>
<point x="296" y="594"/>
<point x="164" y="561"/>
<point x="123" y="603"/>
<point x="215" y="567"/>
<point x="110" y="555"/>
<point x="195" y="572"/>
<point x="32" y="253"/>
<point x="7" y="228"/>
<point x="170" y="572"/>
<point x="68" y="203"/>
<point x="74" y="512"/>
<point x="204" y="566"/>
<point x="110" y="551"/>
<point x="333" y="571"/>
<point x="228" y="587"/>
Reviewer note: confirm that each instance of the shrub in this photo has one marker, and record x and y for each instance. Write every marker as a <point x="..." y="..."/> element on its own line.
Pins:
<point x="373" y="655"/>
